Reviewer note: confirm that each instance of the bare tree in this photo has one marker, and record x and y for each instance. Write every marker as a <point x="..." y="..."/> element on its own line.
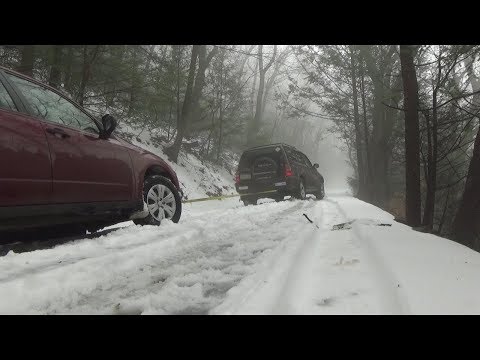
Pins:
<point x="55" y="73"/>
<point x="203" y="63"/>
<point x="412" y="136"/>
<point x="362" y="193"/>
<point x="88" y="61"/>
<point x="27" y="53"/>
<point x="191" y="102"/>
<point x="173" y="151"/>
<point x="380" y="62"/>
<point x="279" y="61"/>
<point x="466" y="226"/>
<point x="257" y="119"/>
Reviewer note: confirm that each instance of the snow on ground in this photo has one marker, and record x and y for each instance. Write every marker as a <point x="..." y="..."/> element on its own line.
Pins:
<point x="225" y="258"/>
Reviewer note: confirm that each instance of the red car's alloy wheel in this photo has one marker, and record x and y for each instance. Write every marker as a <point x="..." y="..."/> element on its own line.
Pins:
<point x="161" y="202"/>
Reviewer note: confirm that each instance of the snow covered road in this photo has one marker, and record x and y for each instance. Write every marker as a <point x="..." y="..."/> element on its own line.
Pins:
<point x="224" y="258"/>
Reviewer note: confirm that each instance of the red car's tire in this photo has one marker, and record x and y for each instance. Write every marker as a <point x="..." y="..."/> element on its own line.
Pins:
<point x="162" y="199"/>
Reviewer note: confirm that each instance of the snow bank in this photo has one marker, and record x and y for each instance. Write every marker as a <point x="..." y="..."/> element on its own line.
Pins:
<point x="428" y="274"/>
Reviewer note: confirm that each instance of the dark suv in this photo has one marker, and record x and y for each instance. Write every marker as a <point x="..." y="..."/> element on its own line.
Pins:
<point x="275" y="171"/>
<point x="59" y="165"/>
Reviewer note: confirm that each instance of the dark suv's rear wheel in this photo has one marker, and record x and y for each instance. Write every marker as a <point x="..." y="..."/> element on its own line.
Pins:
<point x="162" y="199"/>
<point x="320" y="194"/>
<point x="249" y="201"/>
<point x="301" y="193"/>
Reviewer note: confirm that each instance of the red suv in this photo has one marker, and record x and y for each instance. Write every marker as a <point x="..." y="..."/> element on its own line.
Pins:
<point x="59" y="165"/>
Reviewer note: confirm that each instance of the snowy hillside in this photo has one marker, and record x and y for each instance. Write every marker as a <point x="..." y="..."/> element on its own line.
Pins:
<point x="197" y="178"/>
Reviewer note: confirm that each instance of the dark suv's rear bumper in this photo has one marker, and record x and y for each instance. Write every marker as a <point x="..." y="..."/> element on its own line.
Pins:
<point x="283" y="187"/>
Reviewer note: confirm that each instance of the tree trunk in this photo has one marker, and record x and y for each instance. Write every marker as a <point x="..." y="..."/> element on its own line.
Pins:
<point x="169" y="120"/>
<point x="252" y="95"/>
<point x="278" y="121"/>
<point x="268" y="88"/>
<point x="203" y="63"/>
<point x="221" y="111"/>
<point x="172" y="151"/>
<point x="27" y="60"/>
<point x="377" y="148"/>
<point x="178" y="108"/>
<point x="445" y="206"/>
<point x="85" y="75"/>
<point x="432" y="134"/>
<point x="358" y="136"/>
<point x="380" y="149"/>
<point x="466" y="226"/>
<point x="255" y="124"/>
<point x="273" y="77"/>
<point x="133" y="84"/>
<point x="55" y="73"/>
<point x="86" y="71"/>
<point x="412" y="137"/>
<point x="368" y="165"/>
<point x="68" y="70"/>
<point x="220" y="129"/>
<point x="244" y="61"/>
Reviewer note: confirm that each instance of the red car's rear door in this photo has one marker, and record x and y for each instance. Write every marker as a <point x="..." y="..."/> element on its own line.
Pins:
<point x="25" y="168"/>
<point x="85" y="168"/>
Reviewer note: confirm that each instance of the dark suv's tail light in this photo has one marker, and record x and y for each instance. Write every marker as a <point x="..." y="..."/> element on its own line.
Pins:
<point x="288" y="171"/>
<point x="237" y="178"/>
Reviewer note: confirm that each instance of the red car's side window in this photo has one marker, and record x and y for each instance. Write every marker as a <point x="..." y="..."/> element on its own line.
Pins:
<point x="50" y="106"/>
<point x="6" y="101"/>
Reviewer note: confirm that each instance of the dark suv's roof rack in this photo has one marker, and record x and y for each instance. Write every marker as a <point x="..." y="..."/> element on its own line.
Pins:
<point x="268" y="145"/>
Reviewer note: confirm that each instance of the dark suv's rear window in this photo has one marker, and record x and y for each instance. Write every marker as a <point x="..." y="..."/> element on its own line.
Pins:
<point x="249" y="156"/>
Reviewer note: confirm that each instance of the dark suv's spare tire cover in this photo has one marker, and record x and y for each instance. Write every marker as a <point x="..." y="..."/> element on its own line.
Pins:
<point x="264" y="168"/>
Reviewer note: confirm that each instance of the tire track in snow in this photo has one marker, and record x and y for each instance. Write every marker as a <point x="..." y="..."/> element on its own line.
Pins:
<point x="275" y="286"/>
<point x="258" y="293"/>
<point x="297" y="282"/>
<point x="394" y="300"/>
<point x="305" y="276"/>
<point x="307" y="289"/>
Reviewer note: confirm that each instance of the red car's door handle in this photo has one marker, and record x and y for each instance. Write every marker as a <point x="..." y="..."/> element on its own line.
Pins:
<point x="58" y="132"/>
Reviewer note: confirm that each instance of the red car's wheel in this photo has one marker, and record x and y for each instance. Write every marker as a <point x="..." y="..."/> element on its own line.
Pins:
<point x="162" y="199"/>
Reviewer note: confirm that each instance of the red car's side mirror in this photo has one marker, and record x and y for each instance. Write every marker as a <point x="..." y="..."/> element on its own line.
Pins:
<point x="109" y="124"/>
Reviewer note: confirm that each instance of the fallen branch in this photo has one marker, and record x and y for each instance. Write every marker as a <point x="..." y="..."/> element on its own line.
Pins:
<point x="311" y="221"/>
